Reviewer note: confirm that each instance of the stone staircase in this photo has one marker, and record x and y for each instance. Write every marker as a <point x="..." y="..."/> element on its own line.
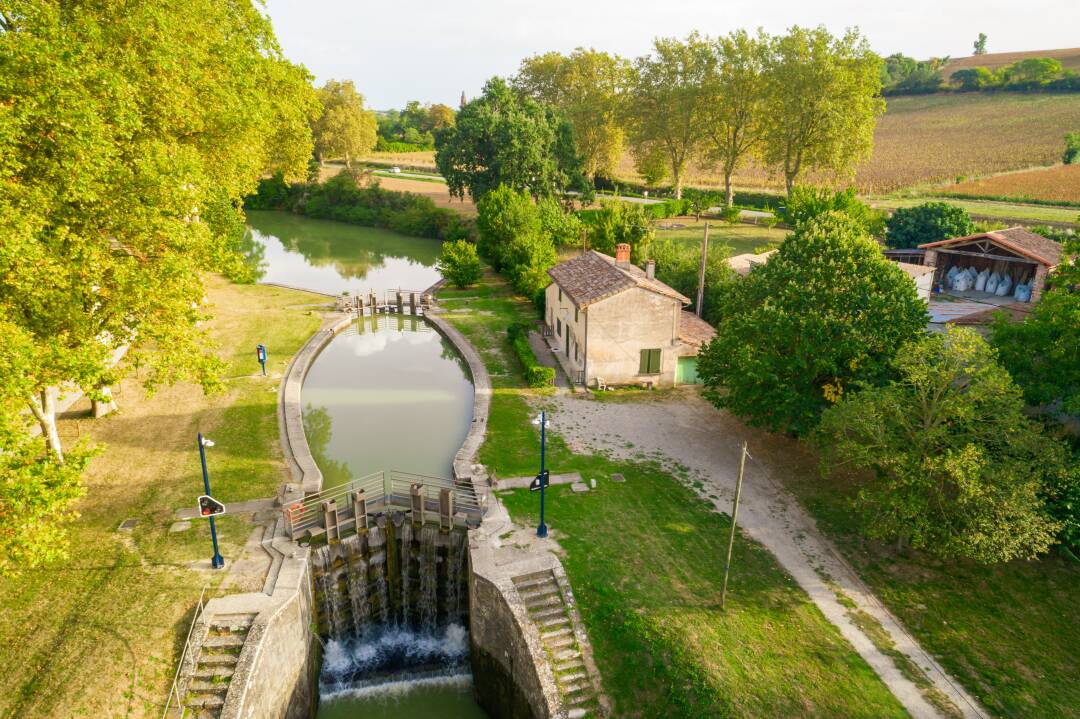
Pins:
<point x="215" y="663"/>
<point x="550" y="608"/>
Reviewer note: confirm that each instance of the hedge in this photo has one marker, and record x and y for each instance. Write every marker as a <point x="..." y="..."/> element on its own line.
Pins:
<point x="536" y="374"/>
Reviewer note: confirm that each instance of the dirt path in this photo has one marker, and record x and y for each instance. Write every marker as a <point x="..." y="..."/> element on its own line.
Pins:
<point x="686" y="433"/>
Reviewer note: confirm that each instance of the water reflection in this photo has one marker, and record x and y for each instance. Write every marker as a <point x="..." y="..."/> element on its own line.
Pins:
<point x="388" y="393"/>
<point x="335" y="257"/>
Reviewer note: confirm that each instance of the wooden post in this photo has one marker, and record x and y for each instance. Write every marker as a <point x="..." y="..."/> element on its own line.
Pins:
<point x="446" y="509"/>
<point x="374" y="303"/>
<point x="331" y="519"/>
<point x="399" y="302"/>
<point x="360" y="516"/>
<point x="417" y="497"/>
<point x="734" y="517"/>
<point x="360" y="305"/>
<point x="412" y="303"/>
<point x="701" y="272"/>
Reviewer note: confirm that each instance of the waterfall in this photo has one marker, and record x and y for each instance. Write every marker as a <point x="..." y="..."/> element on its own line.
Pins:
<point x="405" y="555"/>
<point x="456" y="556"/>
<point x="358" y="585"/>
<point x="429" y="579"/>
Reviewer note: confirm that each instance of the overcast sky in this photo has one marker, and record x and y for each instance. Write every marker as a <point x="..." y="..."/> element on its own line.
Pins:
<point x="432" y="51"/>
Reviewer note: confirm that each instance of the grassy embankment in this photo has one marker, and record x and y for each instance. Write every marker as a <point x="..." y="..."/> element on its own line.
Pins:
<point x="645" y="559"/>
<point x="99" y="634"/>
<point x="1008" y="632"/>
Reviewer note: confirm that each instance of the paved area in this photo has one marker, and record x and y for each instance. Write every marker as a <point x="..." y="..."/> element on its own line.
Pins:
<point x="547" y="358"/>
<point x="680" y="428"/>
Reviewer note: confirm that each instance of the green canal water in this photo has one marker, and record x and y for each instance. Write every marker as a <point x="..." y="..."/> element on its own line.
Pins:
<point x="388" y="393"/>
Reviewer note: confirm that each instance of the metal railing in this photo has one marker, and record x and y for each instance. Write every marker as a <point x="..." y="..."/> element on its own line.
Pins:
<point x="174" y="692"/>
<point x="382" y="492"/>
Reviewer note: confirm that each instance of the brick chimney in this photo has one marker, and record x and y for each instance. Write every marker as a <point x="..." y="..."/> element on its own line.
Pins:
<point x="622" y="255"/>
<point x="650" y="269"/>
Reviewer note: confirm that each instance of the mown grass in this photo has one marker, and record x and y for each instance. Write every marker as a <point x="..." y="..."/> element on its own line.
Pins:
<point x="740" y="239"/>
<point x="645" y="559"/>
<point x="99" y="634"/>
<point x="1009" y="633"/>
<point x="1003" y="211"/>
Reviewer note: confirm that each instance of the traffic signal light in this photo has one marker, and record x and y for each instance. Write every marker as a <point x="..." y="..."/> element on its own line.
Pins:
<point x="208" y="506"/>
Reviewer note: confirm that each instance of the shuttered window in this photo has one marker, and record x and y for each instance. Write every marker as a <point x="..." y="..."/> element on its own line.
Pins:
<point x="577" y="316"/>
<point x="650" y="362"/>
<point x="558" y="332"/>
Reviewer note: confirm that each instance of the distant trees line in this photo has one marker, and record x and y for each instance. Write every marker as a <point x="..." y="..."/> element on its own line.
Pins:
<point x="902" y="75"/>
<point x="802" y="101"/>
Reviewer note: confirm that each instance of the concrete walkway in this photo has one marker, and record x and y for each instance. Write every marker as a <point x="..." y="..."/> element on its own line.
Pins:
<point x="546" y="357"/>
<point x="684" y="428"/>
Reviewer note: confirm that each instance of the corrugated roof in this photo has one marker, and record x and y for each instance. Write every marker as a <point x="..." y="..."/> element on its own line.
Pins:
<point x="594" y="276"/>
<point x="1015" y="239"/>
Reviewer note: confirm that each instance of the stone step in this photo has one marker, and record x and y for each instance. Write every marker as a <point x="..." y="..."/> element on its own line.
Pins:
<point x="543" y="599"/>
<point x="241" y="620"/>
<point x="219" y="671"/>
<point x="576" y="664"/>
<point x="578" y="713"/>
<point x="555" y="610"/>
<point x="543" y="574"/>
<point x="203" y="686"/>
<point x="216" y="660"/>
<point x="535" y="583"/>
<point x="553" y="622"/>
<point x="570" y="679"/>
<point x="224" y="641"/>
<point x="204" y="701"/>
<point x="555" y="635"/>
<point x="566" y="655"/>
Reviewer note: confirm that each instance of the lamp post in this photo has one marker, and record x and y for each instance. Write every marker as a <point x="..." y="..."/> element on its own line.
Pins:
<point x="217" y="562"/>
<point x="542" y="530"/>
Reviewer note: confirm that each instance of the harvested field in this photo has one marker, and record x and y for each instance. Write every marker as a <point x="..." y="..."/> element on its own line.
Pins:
<point x="1069" y="57"/>
<point x="416" y="160"/>
<point x="1060" y="183"/>
<point x="437" y="191"/>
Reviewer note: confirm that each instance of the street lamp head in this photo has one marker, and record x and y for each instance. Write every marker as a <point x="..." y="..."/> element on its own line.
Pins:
<point x="541" y="418"/>
<point x="207" y="443"/>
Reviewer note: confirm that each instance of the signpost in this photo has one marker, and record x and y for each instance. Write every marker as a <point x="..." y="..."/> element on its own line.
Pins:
<point x="260" y="352"/>
<point x="541" y="480"/>
<point x="208" y="506"/>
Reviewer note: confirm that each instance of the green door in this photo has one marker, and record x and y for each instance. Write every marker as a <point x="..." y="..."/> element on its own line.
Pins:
<point x="686" y="371"/>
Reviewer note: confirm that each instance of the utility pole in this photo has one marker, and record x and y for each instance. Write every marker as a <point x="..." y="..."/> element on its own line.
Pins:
<point x="734" y="517"/>
<point x="701" y="272"/>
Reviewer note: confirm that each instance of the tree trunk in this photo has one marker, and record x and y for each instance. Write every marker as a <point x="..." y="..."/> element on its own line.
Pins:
<point x="729" y="194"/>
<point x="107" y="406"/>
<point x="676" y="181"/>
<point x="44" y="409"/>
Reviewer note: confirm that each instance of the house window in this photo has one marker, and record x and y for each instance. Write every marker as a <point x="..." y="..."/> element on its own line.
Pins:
<point x="577" y="358"/>
<point x="650" y="362"/>
<point x="560" y="295"/>
<point x="558" y="330"/>
<point x="576" y="314"/>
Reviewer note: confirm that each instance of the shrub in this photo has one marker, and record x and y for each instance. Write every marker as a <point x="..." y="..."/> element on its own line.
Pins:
<point x="564" y="228"/>
<point x="503" y="215"/>
<point x="928" y="222"/>
<point x="459" y="263"/>
<point x="677" y="266"/>
<point x="536" y="374"/>
<point x="618" y="222"/>
<point x="1072" y="148"/>
<point x="807" y="202"/>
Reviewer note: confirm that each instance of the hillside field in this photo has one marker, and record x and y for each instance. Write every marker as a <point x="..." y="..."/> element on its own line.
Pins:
<point x="1060" y="183"/>
<point x="1069" y="57"/>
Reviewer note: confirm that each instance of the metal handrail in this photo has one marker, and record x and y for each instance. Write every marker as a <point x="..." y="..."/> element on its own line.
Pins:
<point x="174" y="692"/>
<point x="304" y="513"/>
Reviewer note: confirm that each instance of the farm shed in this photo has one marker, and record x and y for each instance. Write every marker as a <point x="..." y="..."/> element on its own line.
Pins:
<point x="1022" y="256"/>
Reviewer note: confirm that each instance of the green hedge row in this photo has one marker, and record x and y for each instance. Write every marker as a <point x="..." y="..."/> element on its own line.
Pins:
<point x="536" y="374"/>
<point x="382" y="145"/>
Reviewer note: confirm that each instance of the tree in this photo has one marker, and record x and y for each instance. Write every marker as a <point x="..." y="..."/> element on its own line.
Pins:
<point x="823" y="101"/>
<point x="439" y="116"/>
<point x="677" y="265"/>
<point x="736" y="109"/>
<point x="980" y="44"/>
<point x="564" y="228"/>
<point x="1040" y="352"/>
<point x="585" y="86"/>
<point x="807" y="202"/>
<point x="1032" y="72"/>
<point x="827" y="311"/>
<point x="113" y="205"/>
<point x="459" y="263"/>
<point x="974" y="78"/>
<point x="667" y="103"/>
<point x="621" y="222"/>
<point x="957" y="468"/>
<point x="503" y="215"/>
<point x="504" y="138"/>
<point x="928" y="222"/>
<point x="1072" y="148"/>
<point x="345" y="128"/>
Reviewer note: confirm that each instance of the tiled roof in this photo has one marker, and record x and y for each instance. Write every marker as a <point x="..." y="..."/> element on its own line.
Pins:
<point x="1016" y="239"/>
<point x="594" y="276"/>
<point x="916" y="271"/>
<point x="693" y="330"/>
<point x="742" y="264"/>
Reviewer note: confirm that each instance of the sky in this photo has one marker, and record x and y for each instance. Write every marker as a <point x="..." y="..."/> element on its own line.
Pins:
<point x="432" y="51"/>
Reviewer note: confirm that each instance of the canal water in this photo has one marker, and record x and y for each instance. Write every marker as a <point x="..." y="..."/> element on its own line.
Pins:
<point x="388" y="393"/>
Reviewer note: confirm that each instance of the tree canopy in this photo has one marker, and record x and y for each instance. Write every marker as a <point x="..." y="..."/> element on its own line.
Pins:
<point x="823" y="102"/>
<point x="122" y="178"/>
<point x="585" y="86"/>
<point x="506" y="138"/>
<point x="928" y="222"/>
<point x="827" y="311"/>
<point x="345" y="129"/>
<point x="958" y="470"/>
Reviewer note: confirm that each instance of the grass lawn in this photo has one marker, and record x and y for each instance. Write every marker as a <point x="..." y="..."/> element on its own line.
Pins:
<point x="1010" y="633"/>
<point x="98" y="635"/>
<point x="740" y="238"/>
<point x="995" y="210"/>
<point x="645" y="560"/>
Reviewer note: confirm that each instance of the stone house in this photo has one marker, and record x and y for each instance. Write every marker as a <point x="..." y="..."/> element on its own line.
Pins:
<point x="614" y="323"/>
